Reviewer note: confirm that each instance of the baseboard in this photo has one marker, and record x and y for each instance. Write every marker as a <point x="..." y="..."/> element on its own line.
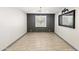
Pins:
<point x="14" y="42"/>
<point x="67" y="42"/>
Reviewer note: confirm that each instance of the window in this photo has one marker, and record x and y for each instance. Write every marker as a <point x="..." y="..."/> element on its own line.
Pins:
<point x="40" y="21"/>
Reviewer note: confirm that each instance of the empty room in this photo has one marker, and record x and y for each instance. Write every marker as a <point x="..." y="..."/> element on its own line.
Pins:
<point x="39" y="28"/>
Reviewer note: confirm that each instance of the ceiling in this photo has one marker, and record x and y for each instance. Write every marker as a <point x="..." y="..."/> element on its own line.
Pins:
<point x="40" y="9"/>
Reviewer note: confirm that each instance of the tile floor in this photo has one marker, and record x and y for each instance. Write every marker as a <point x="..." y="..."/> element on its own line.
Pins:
<point x="40" y="41"/>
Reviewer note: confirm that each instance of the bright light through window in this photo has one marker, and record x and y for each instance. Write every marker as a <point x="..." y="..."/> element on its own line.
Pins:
<point x="40" y="21"/>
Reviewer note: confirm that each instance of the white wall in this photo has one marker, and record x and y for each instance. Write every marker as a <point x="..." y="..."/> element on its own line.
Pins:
<point x="12" y="25"/>
<point x="69" y="34"/>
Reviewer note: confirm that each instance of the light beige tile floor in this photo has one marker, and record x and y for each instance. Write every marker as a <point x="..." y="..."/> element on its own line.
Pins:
<point x="40" y="41"/>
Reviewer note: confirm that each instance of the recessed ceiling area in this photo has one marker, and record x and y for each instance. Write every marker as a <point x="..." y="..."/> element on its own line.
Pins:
<point x="40" y="9"/>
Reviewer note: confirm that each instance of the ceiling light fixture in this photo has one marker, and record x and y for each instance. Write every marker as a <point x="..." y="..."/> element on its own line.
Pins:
<point x="40" y="10"/>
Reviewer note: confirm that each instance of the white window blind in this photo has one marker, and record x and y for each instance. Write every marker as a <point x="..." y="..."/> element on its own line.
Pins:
<point x="40" y="21"/>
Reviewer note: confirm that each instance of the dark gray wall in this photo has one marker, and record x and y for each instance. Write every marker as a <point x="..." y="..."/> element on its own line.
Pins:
<point x="31" y="23"/>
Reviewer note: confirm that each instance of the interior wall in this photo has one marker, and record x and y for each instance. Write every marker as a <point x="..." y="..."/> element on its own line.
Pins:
<point x="69" y="34"/>
<point x="49" y="23"/>
<point x="12" y="25"/>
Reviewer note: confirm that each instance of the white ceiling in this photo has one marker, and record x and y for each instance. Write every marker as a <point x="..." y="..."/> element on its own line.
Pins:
<point x="40" y="10"/>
